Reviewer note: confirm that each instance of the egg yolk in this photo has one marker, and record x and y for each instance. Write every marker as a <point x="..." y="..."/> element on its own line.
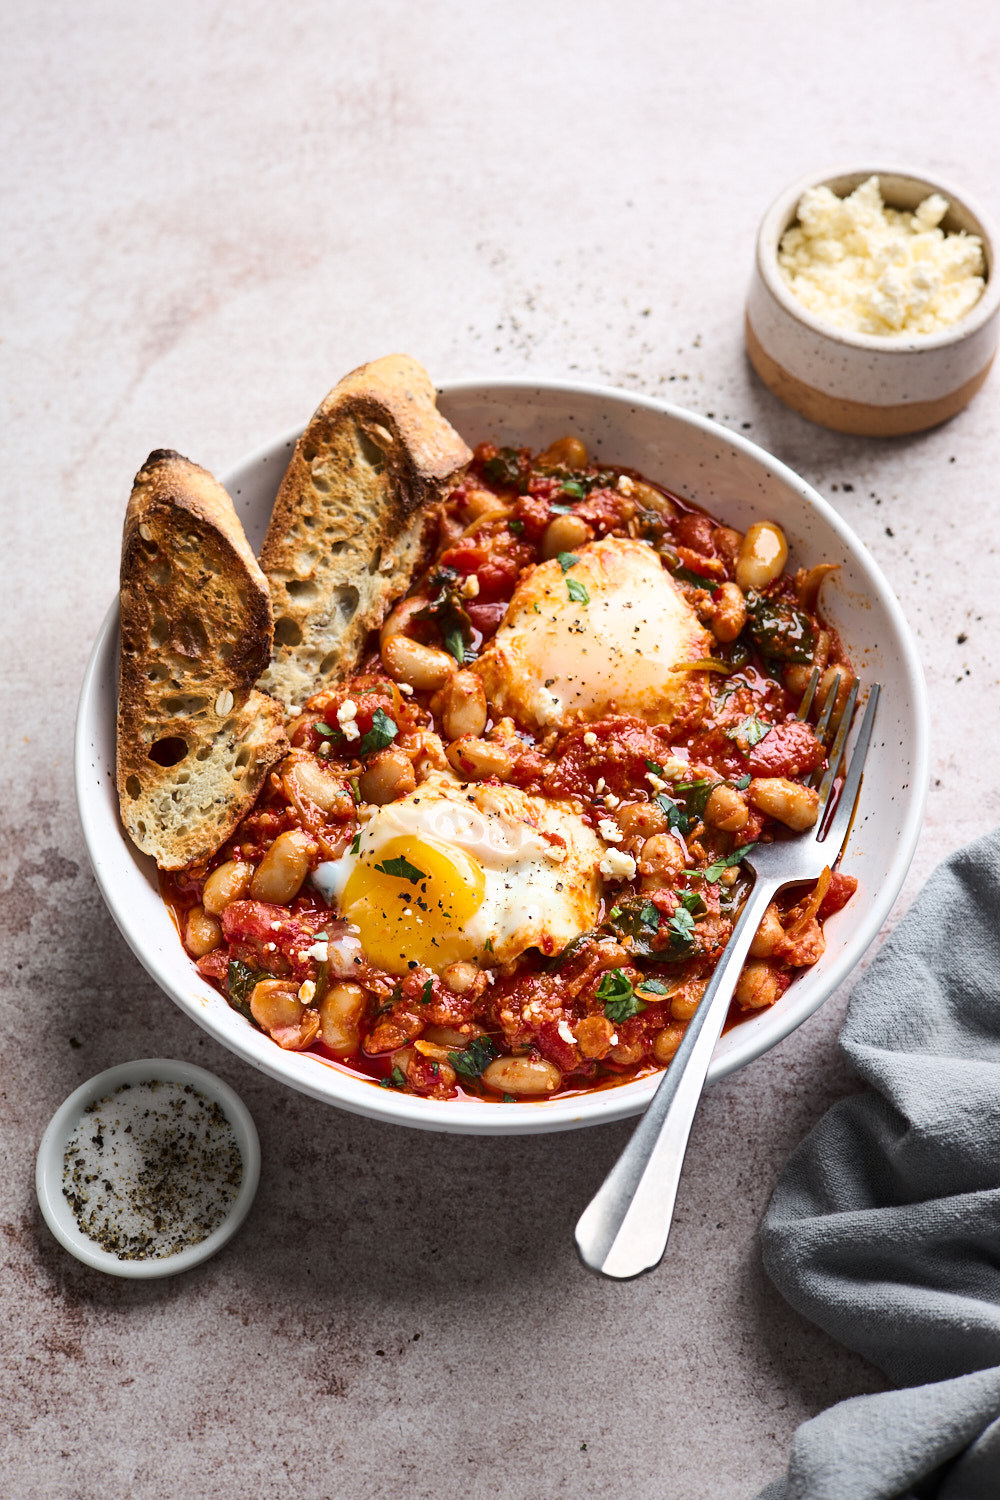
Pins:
<point x="410" y="902"/>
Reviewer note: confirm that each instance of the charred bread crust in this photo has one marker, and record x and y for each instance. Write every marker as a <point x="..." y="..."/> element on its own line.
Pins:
<point x="195" y="738"/>
<point x="351" y="523"/>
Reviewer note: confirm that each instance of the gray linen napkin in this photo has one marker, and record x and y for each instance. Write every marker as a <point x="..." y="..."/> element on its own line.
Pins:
<point x="885" y="1225"/>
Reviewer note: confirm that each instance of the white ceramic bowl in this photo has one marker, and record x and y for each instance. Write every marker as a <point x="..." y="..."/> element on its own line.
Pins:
<point x="734" y="480"/>
<point x="857" y="382"/>
<point x="51" y="1153"/>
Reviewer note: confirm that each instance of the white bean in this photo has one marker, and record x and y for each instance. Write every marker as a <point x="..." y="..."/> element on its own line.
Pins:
<point x="424" y="668"/>
<point x="284" y="867"/>
<point x="522" y="1075"/>
<point x="388" y="776"/>
<point x="763" y="555"/>
<point x="341" y="1011"/>
<point x="794" y="805"/>
<point x="229" y="882"/>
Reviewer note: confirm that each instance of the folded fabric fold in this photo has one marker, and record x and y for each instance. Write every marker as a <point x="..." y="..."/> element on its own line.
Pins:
<point x="885" y="1225"/>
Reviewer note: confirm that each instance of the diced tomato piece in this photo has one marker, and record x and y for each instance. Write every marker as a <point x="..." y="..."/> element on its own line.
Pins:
<point x="533" y="512"/>
<point x="839" y="892"/>
<point x="789" y="749"/>
<point x="486" y="617"/>
<point x="268" y="937"/>
<point x="695" y="531"/>
<point x="215" y="965"/>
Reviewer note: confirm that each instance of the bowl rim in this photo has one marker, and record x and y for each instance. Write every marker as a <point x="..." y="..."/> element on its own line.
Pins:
<point x="51" y="1152"/>
<point x="781" y="213"/>
<point x="576" y="1111"/>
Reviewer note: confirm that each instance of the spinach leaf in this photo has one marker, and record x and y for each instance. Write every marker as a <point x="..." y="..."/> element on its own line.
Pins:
<point x="779" y="630"/>
<point x="240" y="983"/>
<point x="506" y="468"/>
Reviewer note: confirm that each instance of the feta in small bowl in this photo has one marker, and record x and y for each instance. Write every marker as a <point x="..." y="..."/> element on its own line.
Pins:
<point x="873" y="305"/>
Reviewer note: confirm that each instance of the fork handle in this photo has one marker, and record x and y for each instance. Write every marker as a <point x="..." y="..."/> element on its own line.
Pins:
<point x="623" y="1230"/>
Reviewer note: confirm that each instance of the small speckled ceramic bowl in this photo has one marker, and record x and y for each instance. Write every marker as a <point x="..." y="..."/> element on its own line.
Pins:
<point x="863" y="383"/>
<point x="55" y="1207"/>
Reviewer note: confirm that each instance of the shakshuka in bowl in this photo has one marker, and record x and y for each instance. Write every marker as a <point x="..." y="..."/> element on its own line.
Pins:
<point x="485" y="888"/>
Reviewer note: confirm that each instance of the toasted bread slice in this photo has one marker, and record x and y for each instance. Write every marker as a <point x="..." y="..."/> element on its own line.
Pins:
<point x="195" y="738"/>
<point x="352" y="518"/>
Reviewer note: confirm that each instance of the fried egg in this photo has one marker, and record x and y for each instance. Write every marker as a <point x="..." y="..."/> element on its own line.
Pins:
<point x="608" y="632"/>
<point x="466" y="871"/>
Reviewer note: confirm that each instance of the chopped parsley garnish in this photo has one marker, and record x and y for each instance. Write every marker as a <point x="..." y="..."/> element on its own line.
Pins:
<point x="692" y="902"/>
<point x="574" y="487"/>
<point x="325" y="729"/>
<point x="488" y="945"/>
<point x="395" y="1080"/>
<point x="356" y="843"/>
<point x="748" y="732"/>
<point x="725" y="863"/>
<point x="743" y="783"/>
<point x="620" y="999"/>
<point x="427" y="992"/>
<point x="681" y="926"/>
<point x="509" y="1099"/>
<point x="576" y="591"/>
<point x="402" y="869"/>
<point x="380" y="735"/>
<point x="657" y="769"/>
<point x="476" y="1057"/>
<point x="653" y="987"/>
<point x="568" y="560"/>
<point x="516" y="526"/>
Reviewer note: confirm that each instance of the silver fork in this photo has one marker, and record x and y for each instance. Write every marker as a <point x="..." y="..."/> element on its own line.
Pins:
<point x="624" y="1229"/>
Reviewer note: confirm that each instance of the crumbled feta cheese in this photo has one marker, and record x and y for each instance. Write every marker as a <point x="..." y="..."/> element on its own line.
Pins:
<point x="307" y="991"/>
<point x="601" y="784"/>
<point x="609" y="831"/>
<point x="470" y="588"/>
<point x="610" y="800"/>
<point x="625" y="486"/>
<point x="617" y="865"/>
<point x="405" y="689"/>
<point x="346" y="714"/>
<point x="546" y="707"/>
<point x="656" y="782"/>
<point x="590" y="739"/>
<point x="319" y="951"/>
<point x="861" y="266"/>
<point x="614" y="1039"/>
<point x="566" y="1034"/>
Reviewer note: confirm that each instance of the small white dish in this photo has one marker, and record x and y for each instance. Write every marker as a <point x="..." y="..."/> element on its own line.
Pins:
<point x="49" y="1166"/>
<point x="731" y="478"/>
<point x="862" y="383"/>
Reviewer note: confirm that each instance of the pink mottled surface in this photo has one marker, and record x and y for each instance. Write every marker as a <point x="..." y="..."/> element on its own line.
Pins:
<point x="211" y="213"/>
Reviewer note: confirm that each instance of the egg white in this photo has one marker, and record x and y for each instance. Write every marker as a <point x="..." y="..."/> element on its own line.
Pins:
<point x="617" y="648"/>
